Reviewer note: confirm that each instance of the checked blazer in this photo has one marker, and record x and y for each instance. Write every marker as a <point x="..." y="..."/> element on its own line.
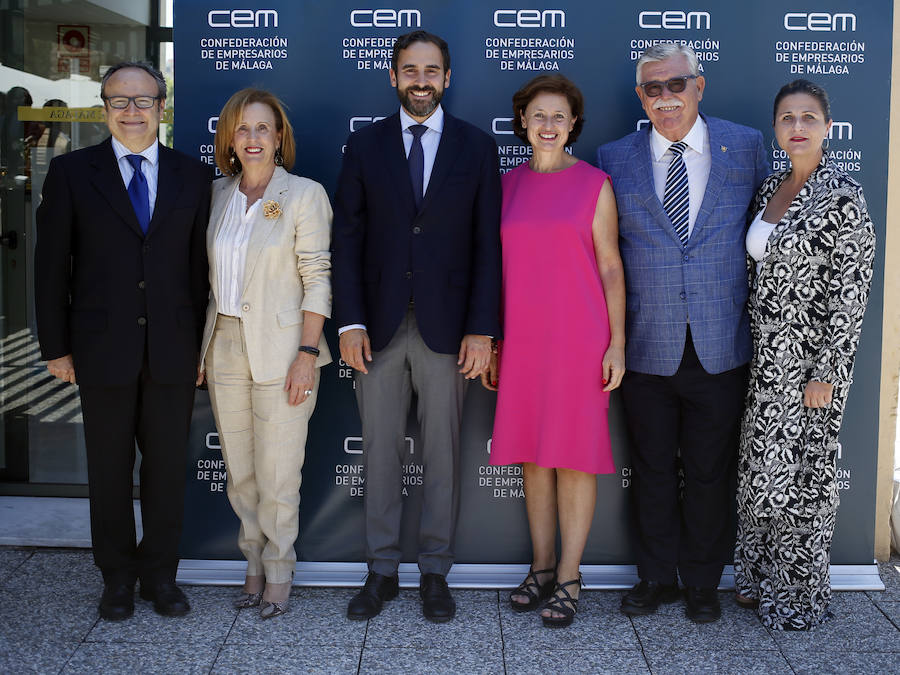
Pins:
<point x="704" y="282"/>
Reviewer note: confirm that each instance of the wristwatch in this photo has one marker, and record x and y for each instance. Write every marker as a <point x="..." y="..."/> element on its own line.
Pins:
<point x="309" y="350"/>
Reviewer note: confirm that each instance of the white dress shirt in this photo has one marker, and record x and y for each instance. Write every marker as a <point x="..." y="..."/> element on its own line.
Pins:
<point x="697" y="161"/>
<point x="230" y="248"/>
<point x="431" y="139"/>
<point x="150" y="167"/>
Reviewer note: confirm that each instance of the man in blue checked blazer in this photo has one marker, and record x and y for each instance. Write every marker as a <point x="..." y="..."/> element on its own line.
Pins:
<point x="683" y="186"/>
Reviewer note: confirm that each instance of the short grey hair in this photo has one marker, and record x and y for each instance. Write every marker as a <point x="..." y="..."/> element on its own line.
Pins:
<point x="666" y="50"/>
<point x="146" y="66"/>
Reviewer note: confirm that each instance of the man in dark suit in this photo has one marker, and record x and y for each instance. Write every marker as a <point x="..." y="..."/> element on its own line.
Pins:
<point x="417" y="287"/>
<point x="683" y="185"/>
<point x="121" y="289"/>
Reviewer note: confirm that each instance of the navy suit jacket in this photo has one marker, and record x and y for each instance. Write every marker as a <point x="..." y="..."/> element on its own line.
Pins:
<point x="704" y="282"/>
<point x="445" y="255"/>
<point x="103" y="289"/>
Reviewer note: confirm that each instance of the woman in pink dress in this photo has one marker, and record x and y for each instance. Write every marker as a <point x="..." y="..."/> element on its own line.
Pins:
<point x="564" y="346"/>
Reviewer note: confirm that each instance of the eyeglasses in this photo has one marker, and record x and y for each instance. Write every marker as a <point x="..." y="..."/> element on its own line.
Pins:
<point x="142" y="102"/>
<point x="675" y="85"/>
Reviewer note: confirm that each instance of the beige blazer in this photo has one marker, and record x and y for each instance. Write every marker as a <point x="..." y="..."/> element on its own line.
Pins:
<point x="288" y="270"/>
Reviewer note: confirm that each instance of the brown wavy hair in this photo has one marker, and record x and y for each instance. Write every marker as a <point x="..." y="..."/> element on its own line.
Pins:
<point x="231" y="116"/>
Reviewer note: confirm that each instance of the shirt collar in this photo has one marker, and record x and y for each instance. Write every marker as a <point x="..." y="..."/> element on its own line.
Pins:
<point x="695" y="139"/>
<point x="435" y="122"/>
<point x="150" y="153"/>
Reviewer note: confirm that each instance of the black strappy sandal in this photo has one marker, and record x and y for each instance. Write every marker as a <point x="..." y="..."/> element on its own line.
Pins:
<point x="563" y="603"/>
<point x="535" y="592"/>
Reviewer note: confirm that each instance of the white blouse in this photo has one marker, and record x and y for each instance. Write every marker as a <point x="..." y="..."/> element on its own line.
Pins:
<point x="230" y="248"/>
<point x="758" y="237"/>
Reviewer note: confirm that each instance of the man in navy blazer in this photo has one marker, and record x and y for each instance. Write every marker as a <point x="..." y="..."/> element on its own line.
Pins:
<point x="683" y="186"/>
<point x="120" y="295"/>
<point x="416" y="269"/>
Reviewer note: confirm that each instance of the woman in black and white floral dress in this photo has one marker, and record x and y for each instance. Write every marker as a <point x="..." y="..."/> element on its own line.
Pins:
<point x="813" y="245"/>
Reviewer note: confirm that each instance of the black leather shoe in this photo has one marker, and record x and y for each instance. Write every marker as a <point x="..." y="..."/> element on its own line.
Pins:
<point x="646" y="597"/>
<point x="167" y="598"/>
<point x="368" y="602"/>
<point x="437" y="603"/>
<point x="117" y="601"/>
<point x="702" y="604"/>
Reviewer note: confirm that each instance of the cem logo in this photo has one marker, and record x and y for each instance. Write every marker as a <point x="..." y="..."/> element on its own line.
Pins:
<point x="530" y="18"/>
<point x="820" y="21"/>
<point x="841" y="131"/>
<point x="242" y="18"/>
<point x="362" y="121"/>
<point x="353" y="445"/>
<point x="674" y="19"/>
<point x="502" y="126"/>
<point x="385" y="18"/>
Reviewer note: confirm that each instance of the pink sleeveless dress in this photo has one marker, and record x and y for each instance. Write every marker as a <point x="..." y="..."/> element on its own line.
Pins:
<point x="551" y="409"/>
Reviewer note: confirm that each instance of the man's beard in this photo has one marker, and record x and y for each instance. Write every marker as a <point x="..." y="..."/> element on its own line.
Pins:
<point x="416" y="107"/>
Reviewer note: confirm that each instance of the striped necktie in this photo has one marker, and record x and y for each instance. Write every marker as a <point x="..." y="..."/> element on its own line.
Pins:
<point x="676" y="200"/>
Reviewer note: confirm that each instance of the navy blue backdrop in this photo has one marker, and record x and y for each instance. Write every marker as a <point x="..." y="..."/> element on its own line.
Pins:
<point x="328" y="62"/>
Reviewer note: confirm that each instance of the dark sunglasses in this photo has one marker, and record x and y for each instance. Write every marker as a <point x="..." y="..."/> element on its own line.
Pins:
<point x="675" y="84"/>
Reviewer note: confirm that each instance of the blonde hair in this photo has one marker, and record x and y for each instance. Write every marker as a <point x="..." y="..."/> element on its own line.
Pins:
<point x="231" y="116"/>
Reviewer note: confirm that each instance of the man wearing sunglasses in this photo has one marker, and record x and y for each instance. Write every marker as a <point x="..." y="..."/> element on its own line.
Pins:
<point x="683" y="185"/>
<point x="120" y="292"/>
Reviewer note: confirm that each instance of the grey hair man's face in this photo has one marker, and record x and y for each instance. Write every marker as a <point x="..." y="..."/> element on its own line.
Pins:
<point x="671" y="113"/>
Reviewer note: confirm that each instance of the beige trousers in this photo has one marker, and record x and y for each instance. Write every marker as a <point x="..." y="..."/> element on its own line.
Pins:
<point x="263" y="443"/>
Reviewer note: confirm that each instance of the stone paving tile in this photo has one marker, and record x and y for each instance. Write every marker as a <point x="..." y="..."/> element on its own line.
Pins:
<point x="317" y="616"/>
<point x="432" y="660"/>
<point x="858" y="626"/>
<point x="57" y="572"/>
<point x="401" y="624"/>
<point x="892" y="610"/>
<point x="134" y="658"/>
<point x="520" y="660"/>
<point x="10" y="559"/>
<point x="210" y="619"/>
<point x="670" y="629"/>
<point x="31" y="652"/>
<point x="51" y="617"/>
<point x="812" y="663"/>
<point x="598" y="626"/>
<point x="667" y="662"/>
<point x="890" y="575"/>
<point x="301" y="657"/>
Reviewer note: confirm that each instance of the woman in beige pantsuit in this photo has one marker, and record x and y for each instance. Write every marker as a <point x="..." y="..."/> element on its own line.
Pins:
<point x="269" y="272"/>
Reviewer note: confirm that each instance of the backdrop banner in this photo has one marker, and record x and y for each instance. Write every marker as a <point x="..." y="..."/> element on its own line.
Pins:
<point x="329" y="63"/>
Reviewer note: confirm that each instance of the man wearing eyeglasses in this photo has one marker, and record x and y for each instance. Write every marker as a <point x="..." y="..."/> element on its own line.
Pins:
<point x="683" y="186"/>
<point x="120" y="292"/>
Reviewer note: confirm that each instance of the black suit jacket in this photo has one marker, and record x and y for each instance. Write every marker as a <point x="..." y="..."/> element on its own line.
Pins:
<point x="102" y="288"/>
<point x="446" y="255"/>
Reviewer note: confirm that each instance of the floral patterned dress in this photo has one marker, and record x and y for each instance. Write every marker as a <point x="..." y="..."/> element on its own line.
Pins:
<point x="806" y="309"/>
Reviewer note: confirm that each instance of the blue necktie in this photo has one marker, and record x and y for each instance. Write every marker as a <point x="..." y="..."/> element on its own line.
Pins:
<point x="139" y="192"/>
<point x="676" y="199"/>
<point x="417" y="163"/>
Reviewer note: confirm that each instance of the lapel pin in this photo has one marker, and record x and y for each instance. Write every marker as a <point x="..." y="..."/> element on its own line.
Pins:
<point x="724" y="148"/>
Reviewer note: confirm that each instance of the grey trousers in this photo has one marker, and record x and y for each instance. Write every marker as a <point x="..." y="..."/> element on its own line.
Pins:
<point x="384" y="395"/>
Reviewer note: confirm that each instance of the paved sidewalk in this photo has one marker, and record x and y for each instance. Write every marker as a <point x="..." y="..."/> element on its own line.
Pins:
<point x="49" y="624"/>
